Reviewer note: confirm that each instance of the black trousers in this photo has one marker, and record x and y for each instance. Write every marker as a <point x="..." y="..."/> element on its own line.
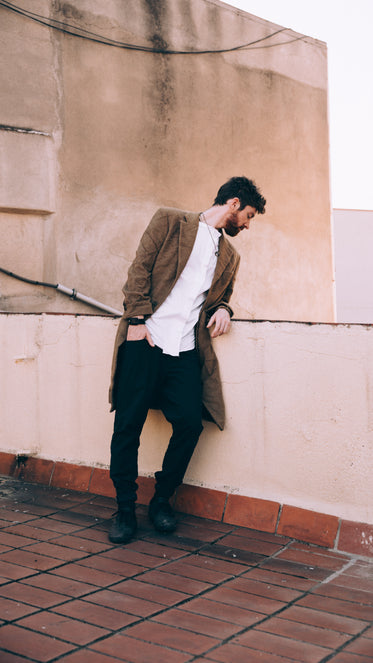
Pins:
<point x="148" y="378"/>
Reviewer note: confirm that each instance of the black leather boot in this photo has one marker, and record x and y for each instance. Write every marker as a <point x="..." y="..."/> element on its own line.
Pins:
<point x="162" y="515"/>
<point x="125" y="524"/>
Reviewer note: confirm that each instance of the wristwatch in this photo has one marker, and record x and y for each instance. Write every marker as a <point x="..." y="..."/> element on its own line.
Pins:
<point x="136" y="321"/>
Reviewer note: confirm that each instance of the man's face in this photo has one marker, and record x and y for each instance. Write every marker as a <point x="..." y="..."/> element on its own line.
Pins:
<point x="239" y="220"/>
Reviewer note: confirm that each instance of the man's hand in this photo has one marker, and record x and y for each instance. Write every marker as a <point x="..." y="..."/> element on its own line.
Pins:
<point x="138" y="333"/>
<point x="222" y="321"/>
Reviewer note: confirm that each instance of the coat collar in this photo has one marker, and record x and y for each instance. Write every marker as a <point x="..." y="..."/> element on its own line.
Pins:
<point x="188" y="232"/>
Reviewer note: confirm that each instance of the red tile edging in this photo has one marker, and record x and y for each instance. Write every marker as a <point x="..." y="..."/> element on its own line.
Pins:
<point x="263" y="515"/>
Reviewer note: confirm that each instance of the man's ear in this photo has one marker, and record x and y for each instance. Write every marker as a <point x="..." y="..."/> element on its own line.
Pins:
<point x="234" y="203"/>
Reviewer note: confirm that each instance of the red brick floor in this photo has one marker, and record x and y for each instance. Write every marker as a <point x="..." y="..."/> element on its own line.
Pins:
<point x="210" y="592"/>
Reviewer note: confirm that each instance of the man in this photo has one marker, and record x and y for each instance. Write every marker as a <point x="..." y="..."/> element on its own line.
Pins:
<point x="176" y="299"/>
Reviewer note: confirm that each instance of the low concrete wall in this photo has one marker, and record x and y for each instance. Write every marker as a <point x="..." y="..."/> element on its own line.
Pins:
<point x="298" y="397"/>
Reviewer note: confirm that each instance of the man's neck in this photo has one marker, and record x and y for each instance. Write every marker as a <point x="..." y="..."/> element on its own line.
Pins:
<point x="216" y="216"/>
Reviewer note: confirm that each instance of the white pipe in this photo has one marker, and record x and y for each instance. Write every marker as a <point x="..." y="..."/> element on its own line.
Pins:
<point x="88" y="300"/>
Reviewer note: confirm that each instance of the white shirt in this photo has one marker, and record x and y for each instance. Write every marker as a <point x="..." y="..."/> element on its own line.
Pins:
<point x="172" y="325"/>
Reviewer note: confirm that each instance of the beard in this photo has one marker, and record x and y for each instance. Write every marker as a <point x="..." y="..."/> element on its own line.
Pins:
<point x="231" y="225"/>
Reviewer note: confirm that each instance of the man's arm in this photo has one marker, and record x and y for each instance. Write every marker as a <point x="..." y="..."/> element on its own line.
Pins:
<point x="137" y="301"/>
<point x="221" y="317"/>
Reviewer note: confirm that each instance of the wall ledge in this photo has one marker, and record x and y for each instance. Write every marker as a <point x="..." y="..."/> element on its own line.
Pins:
<point x="264" y="515"/>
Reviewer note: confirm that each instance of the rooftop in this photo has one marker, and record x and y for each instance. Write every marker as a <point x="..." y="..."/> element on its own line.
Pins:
<point x="210" y="592"/>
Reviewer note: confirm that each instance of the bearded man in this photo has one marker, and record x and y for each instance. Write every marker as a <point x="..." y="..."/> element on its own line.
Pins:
<point x="176" y="299"/>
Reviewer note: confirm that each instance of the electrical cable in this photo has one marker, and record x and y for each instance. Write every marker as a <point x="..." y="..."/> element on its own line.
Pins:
<point x="92" y="36"/>
<point x="70" y="292"/>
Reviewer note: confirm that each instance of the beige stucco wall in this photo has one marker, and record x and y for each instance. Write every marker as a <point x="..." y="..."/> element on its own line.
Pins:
<point x="299" y="405"/>
<point x="121" y="132"/>
<point x="353" y="238"/>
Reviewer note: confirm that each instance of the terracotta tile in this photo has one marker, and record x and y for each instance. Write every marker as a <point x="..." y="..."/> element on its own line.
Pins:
<point x="33" y="509"/>
<point x="243" y="557"/>
<point x="8" y="657"/>
<point x="37" y="470"/>
<point x="197" y="532"/>
<point x="227" y="568"/>
<point x="59" y="585"/>
<point x="369" y="633"/>
<point x="293" y="568"/>
<point x="318" y="550"/>
<point x="356" y="538"/>
<point x="213" y="525"/>
<point x="125" y="554"/>
<point x="11" y="610"/>
<point x="171" y="581"/>
<point x="235" y="654"/>
<point x="136" y="651"/>
<point x="217" y="628"/>
<point x="330" y="621"/>
<point x="261" y="536"/>
<point x="232" y="614"/>
<point x="75" y="520"/>
<point x="149" y="592"/>
<point x="98" y="615"/>
<point x="338" y="607"/>
<point x="305" y="557"/>
<point x="346" y="594"/>
<point x="31" y="595"/>
<point x="123" y="569"/>
<point x="308" y="526"/>
<point x="252" y="586"/>
<point x="275" y="644"/>
<point x="75" y="477"/>
<point x="31" y="560"/>
<point x="8" y="463"/>
<point x="145" y="490"/>
<point x="82" y="656"/>
<point x="304" y="632"/>
<point x="201" y="573"/>
<point x="100" y="483"/>
<point x="360" y="569"/>
<point x="245" y="600"/>
<point x="164" y="552"/>
<point x="32" y="645"/>
<point x="347" y="657"/>
<point x="94" y="534"/>
<point x="203" y="502"/>
<point x="5" y="549"/>
<point x="281" y="579"/>
<point x="14" y="572"/>
<point x="56" y="551"/>
<point x="131" y="605"/>
<point x="83" y="545"/>
<point x="13" y="540"/>
<point x="64" y="628"/>
<point x="175" y="638"/>
<point x="30" y="531"/>
<point x="362" y="646"/>
<point x="251" y="512"/>
<point x="252" y="545"/>
<point x="87" y="575"/>
<point x="55" y="526"/>
<point x="16" y="515"/>
<point x="91" y="508"/>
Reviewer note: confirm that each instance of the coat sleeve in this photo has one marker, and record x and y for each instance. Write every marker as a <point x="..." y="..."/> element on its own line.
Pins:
<point x="137" y="289"/>
<point x="223" y="301"/>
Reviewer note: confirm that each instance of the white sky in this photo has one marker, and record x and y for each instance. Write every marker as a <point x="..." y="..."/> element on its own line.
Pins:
<point x="347" y="27"/>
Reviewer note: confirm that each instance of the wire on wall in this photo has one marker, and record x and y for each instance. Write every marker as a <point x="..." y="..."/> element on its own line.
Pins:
<point x="100" y="39"/>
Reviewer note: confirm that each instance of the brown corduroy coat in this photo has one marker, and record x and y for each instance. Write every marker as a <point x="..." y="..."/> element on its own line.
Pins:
<point x="162" y="254"/>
